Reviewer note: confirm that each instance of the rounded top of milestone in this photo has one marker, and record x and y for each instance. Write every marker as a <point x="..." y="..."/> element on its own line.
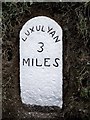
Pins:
<point x="41" y="25"/>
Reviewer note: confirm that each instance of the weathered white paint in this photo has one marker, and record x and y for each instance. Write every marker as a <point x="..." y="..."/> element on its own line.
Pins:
<point x="41" y="85"/>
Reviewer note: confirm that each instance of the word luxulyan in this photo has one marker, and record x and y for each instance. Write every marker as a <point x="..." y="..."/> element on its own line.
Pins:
<point x="43" y="29"/>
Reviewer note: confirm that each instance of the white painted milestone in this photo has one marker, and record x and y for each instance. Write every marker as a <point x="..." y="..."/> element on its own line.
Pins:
<point x="41" y="62"/>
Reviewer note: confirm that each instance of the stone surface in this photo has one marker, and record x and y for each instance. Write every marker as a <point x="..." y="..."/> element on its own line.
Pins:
<point x="41" y="62"/>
